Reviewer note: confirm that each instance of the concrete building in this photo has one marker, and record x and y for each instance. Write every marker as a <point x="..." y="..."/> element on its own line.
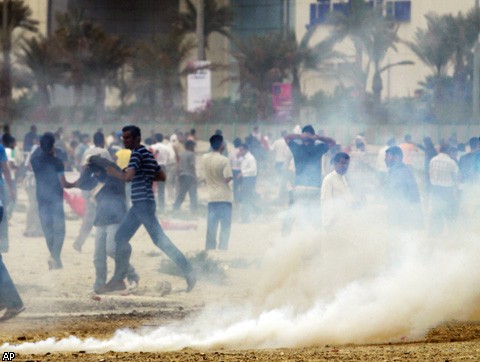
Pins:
<point x="138" y="19"/>
<point x="399" y="81"/>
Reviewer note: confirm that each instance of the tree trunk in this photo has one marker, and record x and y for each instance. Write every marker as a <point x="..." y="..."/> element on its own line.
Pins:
<point x="5" y="84"/>
<point x="296" y="94"/>
<point x="99" y="101"/>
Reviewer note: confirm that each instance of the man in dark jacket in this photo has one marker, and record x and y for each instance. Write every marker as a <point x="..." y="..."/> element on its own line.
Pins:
<point x="49" y="172"/>
<point x="401" y="193"/>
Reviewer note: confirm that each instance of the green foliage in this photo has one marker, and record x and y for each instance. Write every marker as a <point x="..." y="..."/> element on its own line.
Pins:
<point x="156" y="66"/>
<point x="225" y="111"/>
<point x="218" y="19"/>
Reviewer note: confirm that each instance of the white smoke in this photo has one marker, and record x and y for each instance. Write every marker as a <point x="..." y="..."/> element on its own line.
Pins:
<point x="361" y="285"/>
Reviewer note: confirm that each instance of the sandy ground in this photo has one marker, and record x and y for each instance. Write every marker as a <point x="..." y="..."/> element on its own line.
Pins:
<point x="60" y="304"/>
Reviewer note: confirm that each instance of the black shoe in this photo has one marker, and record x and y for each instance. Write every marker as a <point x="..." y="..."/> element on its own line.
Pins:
<point x="112" y="286"/>
<point x="11" y="312"/>
<point x="191" y="281"/>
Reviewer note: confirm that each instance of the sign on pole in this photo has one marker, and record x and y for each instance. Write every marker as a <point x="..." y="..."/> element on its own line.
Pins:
<point x="199" y="86"/>
<point x="282" y="100"/>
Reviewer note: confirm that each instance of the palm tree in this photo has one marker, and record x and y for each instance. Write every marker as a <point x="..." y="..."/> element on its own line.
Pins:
<point x="434" y="47"/>
<point x="379" y="38"/>
<point x="261" y="62"/>
<point x="108" y="54"/>
<point x="301" y="57"/>
<point x="354" y="25"/>
<point x="217" y="19"/>
<point x="18" y="16"/>
<point x="40" y="56"/>
<point x="73" y="36"/>
<point x="156" y="66"/>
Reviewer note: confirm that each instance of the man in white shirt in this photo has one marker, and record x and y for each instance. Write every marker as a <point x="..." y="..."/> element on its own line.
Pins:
<point x="236" y="162"/>
<point x="444" y="175"/>
<point x="282" y="156"/>
<point x="164" y="155"/>
<point x="248" y="174"/>
<point x="171" y="169"/>
<point x="336" y="198"/>
<point x="218" y="174"/>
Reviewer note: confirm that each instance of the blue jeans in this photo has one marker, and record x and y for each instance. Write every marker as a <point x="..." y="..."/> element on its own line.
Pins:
<point x="52" y="218"/>
<point x="218" y="213"/>
<point x="248" y="196"/>
<point x="9" y="296"/>
<point x="143" y="213"/>
<point x="4" y="243"/>
<point x="105" y="246"/>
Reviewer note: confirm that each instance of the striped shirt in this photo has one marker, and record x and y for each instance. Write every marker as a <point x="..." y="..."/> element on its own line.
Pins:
<point x="145" y="165"/>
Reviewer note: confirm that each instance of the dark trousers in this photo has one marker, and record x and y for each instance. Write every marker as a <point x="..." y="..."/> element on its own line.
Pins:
<point x="52" y="218"/>
<point x="248" y="196"/>
<point x="218" y="213"/>
<point x="237" y="185"/>
<point x="4" y="243"/>
<point x="9" y="296"/>
<point x="143" y="213"/>
<point x="161" y="192"/>
<point x="186" y="184"/>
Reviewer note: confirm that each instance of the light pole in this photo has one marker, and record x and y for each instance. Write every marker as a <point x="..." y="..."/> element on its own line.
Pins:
<point x="5" y="73"/>
<point x="201" y="29"/>
<point x="476" y="81"/>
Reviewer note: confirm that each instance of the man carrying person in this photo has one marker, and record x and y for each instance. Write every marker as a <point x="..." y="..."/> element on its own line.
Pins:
<point x="142" y="170"/>
<point x="90" y="213"/>
<point x="111" y="207"/>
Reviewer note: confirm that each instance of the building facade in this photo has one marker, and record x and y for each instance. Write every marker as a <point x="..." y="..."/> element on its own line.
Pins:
<point x="139" y="19"/>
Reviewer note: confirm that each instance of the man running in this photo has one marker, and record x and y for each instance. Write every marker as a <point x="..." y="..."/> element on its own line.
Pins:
<point x="142" y="170"/>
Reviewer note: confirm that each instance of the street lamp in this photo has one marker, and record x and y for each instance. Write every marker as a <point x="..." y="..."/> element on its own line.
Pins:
<point x="201" y="29"/>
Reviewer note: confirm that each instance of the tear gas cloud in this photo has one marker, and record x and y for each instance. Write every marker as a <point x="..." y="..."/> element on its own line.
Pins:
<point x="358" y="284"/>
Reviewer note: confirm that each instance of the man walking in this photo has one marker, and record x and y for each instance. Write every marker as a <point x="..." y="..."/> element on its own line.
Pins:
<point x="50" y="179"/>
<point x="142" y="170"/>
<point x="218" y="173"/>
<point x="187" y="178"/>
<point x="248" y="174"/>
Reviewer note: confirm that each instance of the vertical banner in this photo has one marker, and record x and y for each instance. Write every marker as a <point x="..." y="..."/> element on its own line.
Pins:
<point x="199" y="86"/>
<point x="282" y="100"/>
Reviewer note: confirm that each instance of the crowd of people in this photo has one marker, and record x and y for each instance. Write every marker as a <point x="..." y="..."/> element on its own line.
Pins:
<point x="128" y="180"/>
